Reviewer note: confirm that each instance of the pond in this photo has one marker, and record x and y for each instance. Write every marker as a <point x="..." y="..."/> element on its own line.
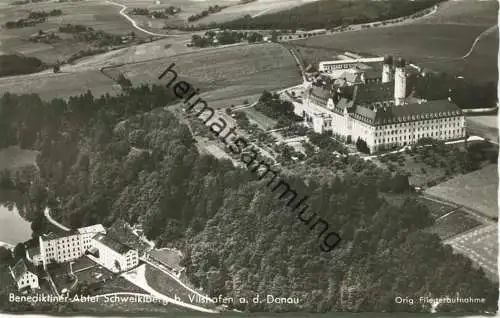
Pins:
<point x="13" y="227"/>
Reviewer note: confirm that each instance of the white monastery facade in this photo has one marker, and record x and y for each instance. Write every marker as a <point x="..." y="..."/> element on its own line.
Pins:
<point x="378" y="111"/>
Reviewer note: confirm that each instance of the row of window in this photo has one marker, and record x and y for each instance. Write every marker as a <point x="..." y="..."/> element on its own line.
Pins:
<point x="403" y="131"/>
<point x="401" y="138"/>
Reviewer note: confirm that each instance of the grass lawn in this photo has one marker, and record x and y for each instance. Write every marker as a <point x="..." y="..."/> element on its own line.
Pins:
<point x="166" y="255"/>
<point x="484" y="126"/>
<point x="236" y="71"/>
<point x="420" y="173"/>
<point x="93" y="13"/>
<point x="437" y="209"/>
<point x="265" y="123"/>
<point x="169" y="287"/>
<point x="455" y="223"/>
<point x="476" y="190"/>
<point x="62" y="85"/>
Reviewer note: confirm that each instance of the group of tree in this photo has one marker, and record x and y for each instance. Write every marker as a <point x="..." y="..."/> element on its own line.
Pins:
<point x="329" y="14"/>
<point x="464" y="93"/>
<point x="224" y="37"/>
<point x="157" y="14"/>
<point x="18" y="65"/>
<point x="125" y="158"/>
<point x="205" y="13"/>
<point x="271" y="105"/>
<point x="362" y="146"/>
<point x="327" y="142"/>
<point x="97" y="38"/>
<point x="34" y="18"/>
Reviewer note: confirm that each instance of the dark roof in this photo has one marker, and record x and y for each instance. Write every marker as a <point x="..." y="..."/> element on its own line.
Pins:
<point x="20" y="268"/>
<point x="373" y="92"/>
<point x="56" y="235"/>
<point x="406" y="113"/>
<point x="32" y="251"/>
<point x="372" y="73"/>
<point x="112" y="243"/>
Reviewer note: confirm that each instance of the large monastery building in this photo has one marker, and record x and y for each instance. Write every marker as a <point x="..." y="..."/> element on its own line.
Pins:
<point x="374" y="106"/>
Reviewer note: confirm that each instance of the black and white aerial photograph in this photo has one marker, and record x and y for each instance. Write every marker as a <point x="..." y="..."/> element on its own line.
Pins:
<point x="249" y="158"/>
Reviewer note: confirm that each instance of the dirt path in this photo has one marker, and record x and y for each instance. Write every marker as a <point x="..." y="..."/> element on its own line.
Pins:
<point x="477" y="39"/>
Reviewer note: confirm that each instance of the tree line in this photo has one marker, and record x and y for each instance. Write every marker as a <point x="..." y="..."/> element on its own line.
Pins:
<point x="327" y="14"/>
<point x="127" y="158"/>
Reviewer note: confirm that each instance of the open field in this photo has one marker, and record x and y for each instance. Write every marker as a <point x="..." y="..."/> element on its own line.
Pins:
<point x="454" y="223"/>
<point x="438" y="41"/>
<point x="481" y="246"/>
<point x="49" y="85"/>
<point x="169" y="256"/>
<point x="476" y="190"/>
<point x="437" y="209"/>
<point x="223" y="73"/>
<point x="484" y="126"/>
<point x="264" y="122"/>
<point x="168" y="286"/>
<point x="93" y="13"/>
<point x="253" y="9"/>
<point x="191" y="7"/>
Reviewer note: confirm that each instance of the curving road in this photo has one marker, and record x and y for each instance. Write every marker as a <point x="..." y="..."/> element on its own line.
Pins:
<point x="134" y="24"/>
<point x="46" y="212"/>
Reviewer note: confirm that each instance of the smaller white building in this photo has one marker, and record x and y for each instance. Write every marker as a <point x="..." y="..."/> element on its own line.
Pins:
<point x="23" y="276"/>
<point x="115" y="256"/>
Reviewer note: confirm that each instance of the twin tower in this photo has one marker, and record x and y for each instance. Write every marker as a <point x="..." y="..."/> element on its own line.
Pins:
<point x="395" y="70"/>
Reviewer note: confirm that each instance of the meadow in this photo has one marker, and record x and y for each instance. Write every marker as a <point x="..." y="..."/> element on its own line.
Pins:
<point x="224" y="73"/>
<point x="476" y="190"/>
<point x="49" y="85"/>
<point x="484" y="126"/>
<point x="438" y="41"/>
<point x="92" y="13"/>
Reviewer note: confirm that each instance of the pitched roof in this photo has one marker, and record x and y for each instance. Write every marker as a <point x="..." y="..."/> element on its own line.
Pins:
<point x="96" y="228"/>
<point x="59" y="234"/>
<point x="112" y="243"/>
<point x="407" y="113"/>
<point x="20" y="268"/>
<point x="373" y="92"/>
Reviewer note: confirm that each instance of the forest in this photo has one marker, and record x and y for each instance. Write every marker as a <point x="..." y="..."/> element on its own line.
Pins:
<point x="464" y="93"/>
<point x="331" y="13"/>
<point x="17" y="65"/>
<point x="128" y="158"/>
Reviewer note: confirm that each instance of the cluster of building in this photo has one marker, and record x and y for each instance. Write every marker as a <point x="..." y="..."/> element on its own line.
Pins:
<point x="91" y="241"/>
<point x="355" y="99"/>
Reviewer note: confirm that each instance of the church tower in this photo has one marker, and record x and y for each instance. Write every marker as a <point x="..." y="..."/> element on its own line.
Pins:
<point x="399" y="82"/>
<point x="387" y="70"/>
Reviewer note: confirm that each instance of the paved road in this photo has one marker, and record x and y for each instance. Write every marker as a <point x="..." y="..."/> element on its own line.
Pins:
<point x="46" y="212"/>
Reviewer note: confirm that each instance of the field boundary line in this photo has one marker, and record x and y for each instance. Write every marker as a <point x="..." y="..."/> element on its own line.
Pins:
<point x="473" y="212"/>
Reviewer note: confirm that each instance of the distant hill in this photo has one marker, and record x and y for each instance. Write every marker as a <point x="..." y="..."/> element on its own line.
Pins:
<point x="17" y="65"/>
<point x="332" y="13"/>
